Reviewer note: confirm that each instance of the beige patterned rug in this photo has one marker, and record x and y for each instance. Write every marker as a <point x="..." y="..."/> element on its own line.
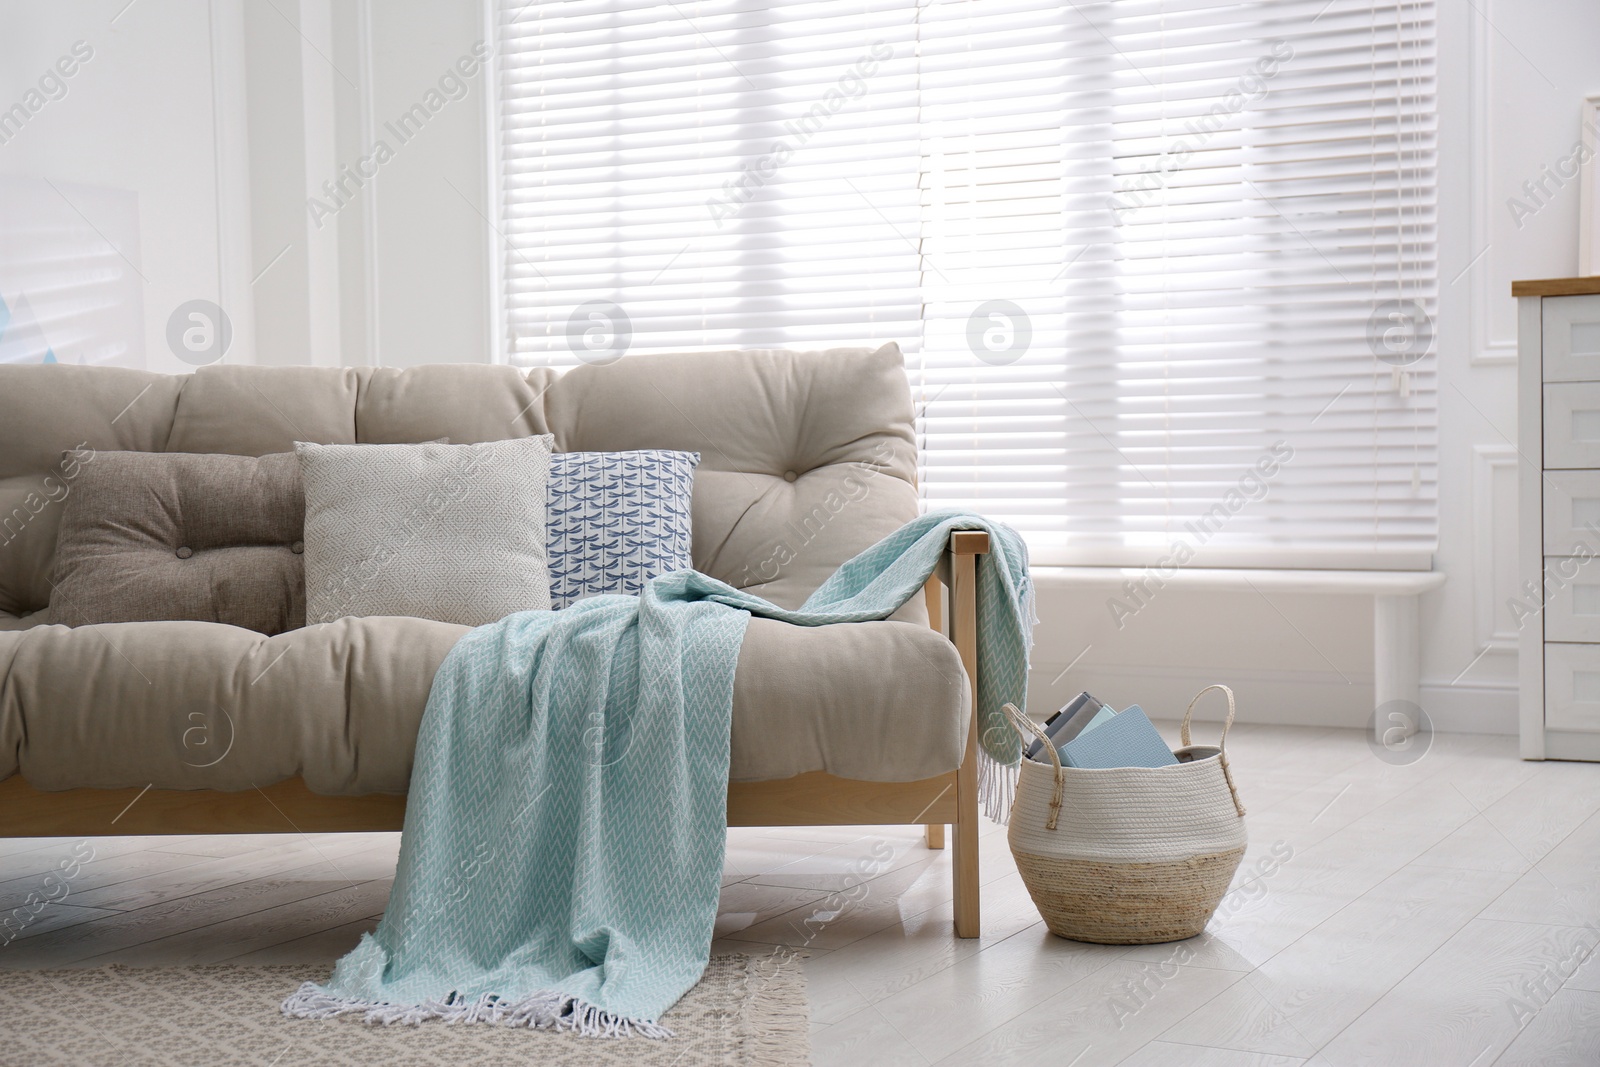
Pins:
<point x="746" y="1010"/>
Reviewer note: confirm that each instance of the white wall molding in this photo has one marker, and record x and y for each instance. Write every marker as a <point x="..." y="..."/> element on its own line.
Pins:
<point x="1468" y="633"/>
<point x="1494" y="571"/>
<point x="499" y="336"/>
<point x="230" y="135"/>
<point x="369" y="202"/>
<point x="319" y="111"/>
<point x="1483" y="348"/>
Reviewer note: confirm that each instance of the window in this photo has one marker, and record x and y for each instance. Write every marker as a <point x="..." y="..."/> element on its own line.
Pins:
<point x="1163" y="272"/>
<point x="684" y="176"/>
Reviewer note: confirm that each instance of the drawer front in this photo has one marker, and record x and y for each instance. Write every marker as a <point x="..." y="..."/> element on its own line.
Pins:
<point x="1572" y="425"/>
<point x="1571" y="338"/>
<point x="1572" y="687"/>
<point x="1571" y="512"/>
<point x="1572" y="606"/>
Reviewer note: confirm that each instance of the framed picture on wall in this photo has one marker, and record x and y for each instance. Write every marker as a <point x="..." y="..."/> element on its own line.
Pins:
<point x="1588" y="195"/>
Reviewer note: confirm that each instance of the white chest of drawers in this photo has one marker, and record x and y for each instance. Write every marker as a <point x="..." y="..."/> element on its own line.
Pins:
<point x="1558" y="444"/>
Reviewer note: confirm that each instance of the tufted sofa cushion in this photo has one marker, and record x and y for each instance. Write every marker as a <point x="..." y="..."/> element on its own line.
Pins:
<point x="806" y="459"/>
<point x="147" y="536"/>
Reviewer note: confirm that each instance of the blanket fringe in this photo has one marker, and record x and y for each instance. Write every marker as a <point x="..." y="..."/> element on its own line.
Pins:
<point x="997" y="782"/>
<point x="545" y="1010"/>
<point x="997" y="787"/>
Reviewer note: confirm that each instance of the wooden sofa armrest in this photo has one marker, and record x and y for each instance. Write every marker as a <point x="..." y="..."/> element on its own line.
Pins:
<point x="969" y="542"/>
<point x="963" y="543"/>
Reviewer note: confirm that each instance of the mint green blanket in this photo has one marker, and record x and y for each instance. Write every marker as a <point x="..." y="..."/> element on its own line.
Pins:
<point x="565" y="828"/>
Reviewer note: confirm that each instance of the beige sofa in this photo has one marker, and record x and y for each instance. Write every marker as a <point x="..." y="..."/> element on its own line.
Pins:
<point x="806" y="458"/>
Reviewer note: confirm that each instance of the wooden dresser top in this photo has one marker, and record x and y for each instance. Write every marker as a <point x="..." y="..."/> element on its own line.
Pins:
<point x="1557" y="287"/>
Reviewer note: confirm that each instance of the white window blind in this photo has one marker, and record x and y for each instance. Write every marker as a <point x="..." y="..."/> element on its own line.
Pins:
<point x="1164" y="271"/>
<point x="728" y="174"/>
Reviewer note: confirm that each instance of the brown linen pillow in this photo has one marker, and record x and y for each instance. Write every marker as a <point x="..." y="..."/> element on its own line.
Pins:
<point x="158" y="536"/>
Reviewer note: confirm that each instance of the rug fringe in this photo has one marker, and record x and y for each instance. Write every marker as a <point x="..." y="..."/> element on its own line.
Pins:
<point x="774" y="1026"/>
<point x="545" y="1010"/>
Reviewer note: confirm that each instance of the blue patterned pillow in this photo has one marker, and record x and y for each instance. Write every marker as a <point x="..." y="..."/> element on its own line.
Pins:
<point x="615" y="519"/>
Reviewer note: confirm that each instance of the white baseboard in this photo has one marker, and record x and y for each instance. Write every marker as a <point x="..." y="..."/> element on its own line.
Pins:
<point x="1284" y="698"/>
<point x="1471" y="709"/>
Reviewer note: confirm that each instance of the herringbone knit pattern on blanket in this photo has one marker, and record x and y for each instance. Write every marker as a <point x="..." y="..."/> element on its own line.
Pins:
<point x="565" y="827"/>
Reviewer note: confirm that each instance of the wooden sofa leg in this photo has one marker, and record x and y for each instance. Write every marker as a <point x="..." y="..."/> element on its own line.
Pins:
<point x="964" y="634"/>
<point x="934" y="592"/>
<point x="964" y="856"/>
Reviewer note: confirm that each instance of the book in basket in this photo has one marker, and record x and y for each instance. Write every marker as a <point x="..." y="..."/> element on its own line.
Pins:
<point x="1127" y="739"/>
<point x="1076" y="716"/>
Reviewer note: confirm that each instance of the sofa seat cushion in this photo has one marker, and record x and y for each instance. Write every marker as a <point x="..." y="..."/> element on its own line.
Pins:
<point x="193" y="705"/>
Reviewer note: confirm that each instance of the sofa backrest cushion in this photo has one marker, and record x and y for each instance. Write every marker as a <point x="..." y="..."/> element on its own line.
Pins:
<point x="806" y="458"/>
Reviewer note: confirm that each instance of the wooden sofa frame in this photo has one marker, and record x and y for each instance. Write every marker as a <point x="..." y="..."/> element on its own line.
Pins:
<point x="816" y="799"/>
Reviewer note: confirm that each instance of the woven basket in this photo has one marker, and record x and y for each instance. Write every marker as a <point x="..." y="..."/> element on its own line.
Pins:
<point x="1128" y="855"/>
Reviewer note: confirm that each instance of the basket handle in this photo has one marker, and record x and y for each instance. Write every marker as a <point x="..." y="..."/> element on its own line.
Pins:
<point x="1024" y="726"/>
<point x="1222" y="745"/>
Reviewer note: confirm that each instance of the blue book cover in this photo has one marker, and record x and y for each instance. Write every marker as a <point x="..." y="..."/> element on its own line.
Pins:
<point x="1128" y="739"/>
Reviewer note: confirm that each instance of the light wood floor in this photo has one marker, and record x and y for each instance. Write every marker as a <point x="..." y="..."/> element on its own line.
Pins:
<point x="1441" y="914"/>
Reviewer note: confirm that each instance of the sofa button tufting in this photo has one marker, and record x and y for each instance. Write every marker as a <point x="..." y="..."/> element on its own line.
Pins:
<point x="789" y="476"/>
<point x="298" y="547"/>
<point x="185" y="552"/>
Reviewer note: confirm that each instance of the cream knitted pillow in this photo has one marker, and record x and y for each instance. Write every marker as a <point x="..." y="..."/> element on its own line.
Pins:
<point x="448" y="532"/>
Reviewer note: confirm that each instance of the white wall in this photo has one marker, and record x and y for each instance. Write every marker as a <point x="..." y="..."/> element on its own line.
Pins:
<point x="147" y="116"/>
<point x="1518" y="75"/>
<point x="433" y="235"/>
<point x="391" y="267"/>
<point x="221" y="119"/>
